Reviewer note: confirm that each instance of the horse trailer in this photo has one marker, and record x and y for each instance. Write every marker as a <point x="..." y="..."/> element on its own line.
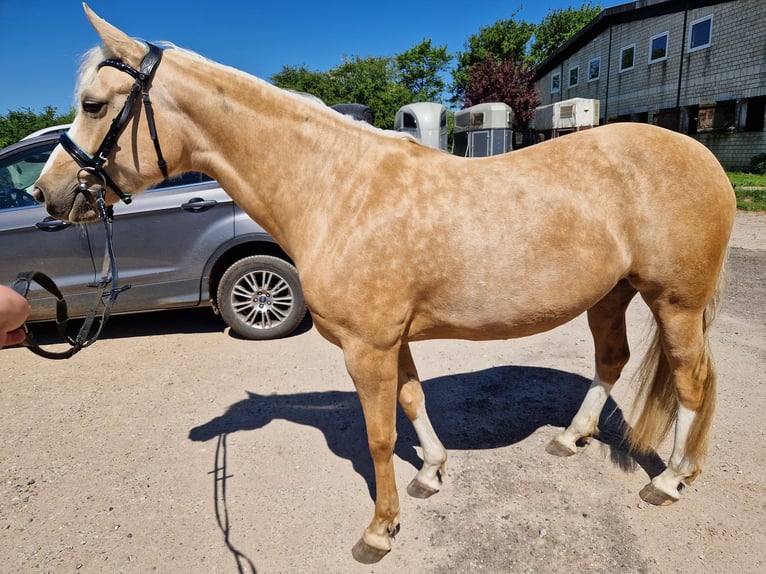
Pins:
<point x="567" y="116"/>
<point x="425" y="121"/>
<point x="483" y="130"/>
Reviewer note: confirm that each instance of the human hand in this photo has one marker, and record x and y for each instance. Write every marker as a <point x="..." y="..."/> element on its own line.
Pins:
<point x="14" y="310"/>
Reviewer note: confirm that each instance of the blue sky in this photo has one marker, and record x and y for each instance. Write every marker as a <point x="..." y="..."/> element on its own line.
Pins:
<point x="41" y="41"/>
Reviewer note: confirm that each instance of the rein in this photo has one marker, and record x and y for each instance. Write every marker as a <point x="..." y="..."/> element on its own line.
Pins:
<point x="94" y="164"/>
<point x="88" y="334"/>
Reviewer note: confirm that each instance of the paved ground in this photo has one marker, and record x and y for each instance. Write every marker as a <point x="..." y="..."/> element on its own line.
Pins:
<point x="170" y="446"/>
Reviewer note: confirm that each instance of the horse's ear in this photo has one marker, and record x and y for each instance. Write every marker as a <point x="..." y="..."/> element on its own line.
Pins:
<point x="118" y="42"/>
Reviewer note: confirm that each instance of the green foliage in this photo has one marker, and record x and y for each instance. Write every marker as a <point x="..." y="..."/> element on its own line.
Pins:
<point x="420" y="70"/>
<point x="383" y="83"/>
<point x="557" y="27"/>
<point x="302" y="79"/>
<point x="508" y="81"/>
<point x="17" y="124"/>
<point x="373" y="82"/>
<point x="505" y="39"/>
<point x="758" y="164"/>
<point x="750" y="190"/>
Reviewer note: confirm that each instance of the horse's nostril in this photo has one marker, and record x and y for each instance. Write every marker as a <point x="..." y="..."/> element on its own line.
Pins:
<point x="38" y="195"/>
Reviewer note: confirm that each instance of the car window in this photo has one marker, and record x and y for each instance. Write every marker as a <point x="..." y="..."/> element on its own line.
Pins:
<point x="18" y="173"/>
<point x="185" y="179"/>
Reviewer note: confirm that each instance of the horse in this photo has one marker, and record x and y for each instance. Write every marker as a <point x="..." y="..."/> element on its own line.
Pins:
<point x="396" y="242"/>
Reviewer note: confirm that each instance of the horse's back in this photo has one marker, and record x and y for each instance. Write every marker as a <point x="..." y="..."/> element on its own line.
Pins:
<point x="516" y="244"/>
<point x="662" y="195"/>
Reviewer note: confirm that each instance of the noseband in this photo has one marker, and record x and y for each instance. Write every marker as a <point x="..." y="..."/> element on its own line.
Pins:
<point x="94" y="164"/>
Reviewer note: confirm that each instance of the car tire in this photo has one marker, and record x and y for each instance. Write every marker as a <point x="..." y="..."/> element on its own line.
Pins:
<point x="260" y="297"/>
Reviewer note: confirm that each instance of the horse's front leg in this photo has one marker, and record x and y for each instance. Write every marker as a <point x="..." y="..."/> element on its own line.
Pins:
<point x="374" y="372"/>
<point x="428" y="480"/>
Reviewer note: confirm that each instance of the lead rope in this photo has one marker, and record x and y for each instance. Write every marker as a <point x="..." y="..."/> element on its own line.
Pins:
<point x="109" y="276"/>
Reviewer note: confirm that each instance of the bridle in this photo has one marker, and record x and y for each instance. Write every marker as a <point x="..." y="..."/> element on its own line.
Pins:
<point x="94" y="165"/>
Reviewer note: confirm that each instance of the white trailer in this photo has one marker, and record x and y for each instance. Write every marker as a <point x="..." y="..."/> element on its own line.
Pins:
<point x="567" y="116"/>
<point x="425" y="121"/>
<point x="483" y="130"/>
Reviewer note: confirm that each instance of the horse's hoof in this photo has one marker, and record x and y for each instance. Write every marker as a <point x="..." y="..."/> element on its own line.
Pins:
<point x="417" y="489"/>
<point x="557" y="448"/>
<point x="367" y="554"/>
<point x="653" y="495"/>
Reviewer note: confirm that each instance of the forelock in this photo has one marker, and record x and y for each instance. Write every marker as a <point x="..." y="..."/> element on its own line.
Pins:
<point x="88" y="68"/>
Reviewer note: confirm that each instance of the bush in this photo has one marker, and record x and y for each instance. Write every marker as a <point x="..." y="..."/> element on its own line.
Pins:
<point x="758" y="164"/>
<point x="750" y="190"/>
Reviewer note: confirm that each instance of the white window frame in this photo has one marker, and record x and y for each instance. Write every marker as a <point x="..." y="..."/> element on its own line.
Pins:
<point x="666" y="35"/>
<point x="622" y="51"/>
<point x="569" y="77"/>
<point x="555" y="89"/>
<point x="590" y="63"/>
<point x="696" y="22"/>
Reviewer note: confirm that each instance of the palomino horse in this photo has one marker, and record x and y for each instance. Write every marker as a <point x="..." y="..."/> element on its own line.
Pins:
<point x="396" y="242"/>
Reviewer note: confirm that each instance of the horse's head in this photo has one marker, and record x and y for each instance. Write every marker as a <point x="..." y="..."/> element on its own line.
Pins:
<point x="109" y="145"/>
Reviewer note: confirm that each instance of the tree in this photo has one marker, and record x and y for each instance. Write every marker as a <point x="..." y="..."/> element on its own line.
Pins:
<point x="420" y="71"/>
<point x="302" y="79"/>
<point x="17" y="124"/>
<point x="374" y="82"/>
<point x="557" y="27"/>
<point x="504" y="39"/>
<point x="509" y="81"/>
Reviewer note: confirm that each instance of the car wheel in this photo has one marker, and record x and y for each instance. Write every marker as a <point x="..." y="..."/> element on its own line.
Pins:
<point x="260" y="297"/>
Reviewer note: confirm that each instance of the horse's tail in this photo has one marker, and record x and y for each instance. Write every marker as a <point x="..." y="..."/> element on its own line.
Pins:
<point x="656" y="404"/>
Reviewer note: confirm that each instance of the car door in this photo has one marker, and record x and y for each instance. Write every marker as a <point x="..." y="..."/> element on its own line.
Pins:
<point x="163" y="240"/>
<point x="30" y="240"/>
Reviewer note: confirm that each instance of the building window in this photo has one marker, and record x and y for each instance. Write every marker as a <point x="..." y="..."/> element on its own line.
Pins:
<point x="658" y="48"/>
<point x="556" y="82"/>
<point x="594" y="69"/>
<point x="717" y="117"/>
<point x="574" y="76"/>
<point x="700" y="33"/>
<point x="627" y="58"/>
<point x="667" y="118"/>
<point x="755" y="110"/>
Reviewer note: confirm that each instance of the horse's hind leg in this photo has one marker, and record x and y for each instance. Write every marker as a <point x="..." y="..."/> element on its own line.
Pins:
<point x="428" y="480"/>
<point x="682" y="387"/>
<point x="606" y="320"/>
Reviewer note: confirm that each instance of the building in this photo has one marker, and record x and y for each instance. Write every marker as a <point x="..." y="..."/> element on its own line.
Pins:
<point x="695" y="66"/>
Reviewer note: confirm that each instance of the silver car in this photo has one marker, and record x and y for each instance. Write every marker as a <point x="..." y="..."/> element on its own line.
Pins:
<point x="182" y="244"/>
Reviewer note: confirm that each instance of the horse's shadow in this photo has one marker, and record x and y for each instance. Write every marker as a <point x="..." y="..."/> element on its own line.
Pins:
<point x="481" y="410"/>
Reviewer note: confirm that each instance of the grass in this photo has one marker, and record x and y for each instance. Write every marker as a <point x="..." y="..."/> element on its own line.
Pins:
<point x="750" y="190"/>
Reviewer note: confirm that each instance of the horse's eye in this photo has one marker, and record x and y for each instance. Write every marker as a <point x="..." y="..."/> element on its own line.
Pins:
<point x="92" y="107"/>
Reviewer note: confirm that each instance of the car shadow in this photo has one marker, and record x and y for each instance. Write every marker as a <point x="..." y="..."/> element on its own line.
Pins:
<point x="167" y="322"/>
<point x="487" y="409"/>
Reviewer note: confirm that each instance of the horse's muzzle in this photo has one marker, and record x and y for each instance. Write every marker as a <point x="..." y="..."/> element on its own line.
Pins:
<point x="76" y="205"/>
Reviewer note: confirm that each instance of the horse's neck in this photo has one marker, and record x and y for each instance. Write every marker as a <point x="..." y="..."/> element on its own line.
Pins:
<point x="276" y="155"/>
